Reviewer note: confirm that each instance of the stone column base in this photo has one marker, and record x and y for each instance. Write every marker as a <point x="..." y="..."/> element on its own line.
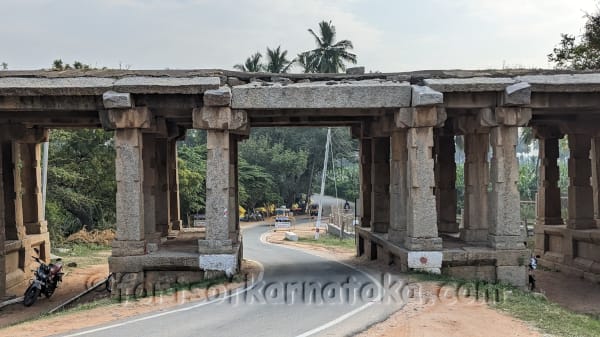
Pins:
<point x="474" y="235"/>
<point x="215" y="246"/>
<point x="128" y="248"/>
<point x="397" y="236"/>
<point x="587" y="223"/>
<point x="448" y="227"/>
<point x="176" y="225"/>
<point x="506" y="242"/>
<point x="217" y="264"/>
<point x="36" y="227"/>
<point x="423" y="244"/>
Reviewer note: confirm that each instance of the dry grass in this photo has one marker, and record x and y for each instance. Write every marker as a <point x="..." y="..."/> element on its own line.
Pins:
<point x="98" y="237"/>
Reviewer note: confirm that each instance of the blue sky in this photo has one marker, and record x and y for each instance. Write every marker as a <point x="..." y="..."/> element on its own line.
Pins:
<point x="184" y="34"/>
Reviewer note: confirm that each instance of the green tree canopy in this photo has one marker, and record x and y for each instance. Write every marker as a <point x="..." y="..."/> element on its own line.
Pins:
<point x="579" y="53"/>
<point x="253" y="64"/>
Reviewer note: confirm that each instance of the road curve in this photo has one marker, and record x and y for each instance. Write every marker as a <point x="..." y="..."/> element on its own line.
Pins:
<point x="300" y="295"/>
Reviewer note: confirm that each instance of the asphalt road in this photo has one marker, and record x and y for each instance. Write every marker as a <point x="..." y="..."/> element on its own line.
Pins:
<point x="284" y="303"/>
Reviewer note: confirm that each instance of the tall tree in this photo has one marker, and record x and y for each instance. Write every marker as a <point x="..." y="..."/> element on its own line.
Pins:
<point x="329" y="56"/>
<point x="252" y="64"/>
<point x="4" y="65"/>
<point x="582" y="53"/>
<point x="277" y="61"/>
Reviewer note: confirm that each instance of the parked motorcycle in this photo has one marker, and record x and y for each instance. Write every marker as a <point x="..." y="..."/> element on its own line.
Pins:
<point x="46" y="280"/>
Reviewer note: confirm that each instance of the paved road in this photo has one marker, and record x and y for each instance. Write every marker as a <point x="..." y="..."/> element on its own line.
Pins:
<point x="261" y="311"/>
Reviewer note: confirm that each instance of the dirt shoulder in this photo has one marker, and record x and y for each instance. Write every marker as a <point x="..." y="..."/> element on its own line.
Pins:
<point x="78" y="319"/>
<point x="428" y="312"/>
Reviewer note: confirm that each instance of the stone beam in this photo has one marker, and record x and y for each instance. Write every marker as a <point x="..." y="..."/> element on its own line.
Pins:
<point x="332" y="94"/>
<point x="88" y="85"/>
<point x="423" y="96"/>
<point x="472" y="84"/>
<point x="563" y="82"/>
<point x="517" y="94"/>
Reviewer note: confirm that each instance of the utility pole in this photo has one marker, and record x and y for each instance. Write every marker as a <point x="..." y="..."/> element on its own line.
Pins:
<point x="323" y="177"/>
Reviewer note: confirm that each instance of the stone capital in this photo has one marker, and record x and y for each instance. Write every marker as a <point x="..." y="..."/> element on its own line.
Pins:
<point x="221" y="118"/>
<point x="159" y="128"/>
<point x="470" y="124"/>
<point x="218" y="97"/>
<point x="517" y="94"/>
<point x="21" y="134"/>
<point x="117" y="100"/>
<point x="416" y="117"/>
<point x="175" y="132"/>
<point x="133" y="118"/>
<point x="507" y="116"/>
<point x="425" y="96"/>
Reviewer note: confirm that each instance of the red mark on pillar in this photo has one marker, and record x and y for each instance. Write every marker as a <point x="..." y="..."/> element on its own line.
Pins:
<point x="423" y="260"/>
<point x="225" y="213"/>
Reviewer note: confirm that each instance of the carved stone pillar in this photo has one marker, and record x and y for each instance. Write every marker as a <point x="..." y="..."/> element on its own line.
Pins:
<point x="445" y="173"/>
<point x="149" y="184"/>
<point x="162" y="199"/>
<point x="220" y="251"/>
<point x="129" y="167"/>
<point x="365" y="181"/>
<point x="581" y="200"/>
<point x="504" y="198"/>
<point x="422" y="233"/>
<point x="476" y="177"/>
<point x="173" y="173"/>
<point x="548" y="196"/>
<point x="380" y="180"/>
<point x="595" y="156"/>
<point x="398" y="188"/>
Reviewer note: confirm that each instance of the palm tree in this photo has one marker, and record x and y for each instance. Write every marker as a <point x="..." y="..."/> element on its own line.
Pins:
<point x="252" y="64"/>
<point x="329" y="56"/>
<point x="308" y="62"/>
<point x="277" y="61"/>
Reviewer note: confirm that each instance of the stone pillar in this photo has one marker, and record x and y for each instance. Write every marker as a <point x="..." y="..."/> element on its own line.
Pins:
<point x="595" y="157"/>
<point x="129" y="167"/>
<point x="422" y="233"/>
<point x="3" y="207"/>
<point x="220" y="251"/>
<point x="548" y="196"/>
<point x="380" y="180"/>
<point x="31" y="184"/>
<point x="398" y="189"/>
<point x="445" y="173"/>
<point x="149" y="165"/>
<point x="365" y="181"/>
<point x="162" y="199"/>
<point x="173" y="173"/>
<point x="581" y="200"/>
<point x="11" y="178"/>
<point x="476" y="177"/>
<point x="504" y="198"/>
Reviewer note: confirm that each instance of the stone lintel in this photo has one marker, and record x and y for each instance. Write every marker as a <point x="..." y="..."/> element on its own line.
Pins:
<point x="547" y="131"/>
<point x="473" y="84"/>
<point x="175" y="132"/>
<point x="22" y="134"/>
<point x="134" y="118"/>
<point x="221" y="118"/>
<point x="416" y="117"/>
<point x="425" y="96"/>
<point x="322" y="95"/>
<point x="218" y="97"/>
<point x="508" y="116"/>
<point x="470" y="125"/>
<point x="117" y="100"/>
<point x="517" y="94"/>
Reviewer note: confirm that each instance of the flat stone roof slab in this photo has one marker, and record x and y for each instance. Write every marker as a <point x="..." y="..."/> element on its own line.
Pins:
<point x="563" y="82"/>
<point x="80" y="86"/>
<point x="474" y="84"/>
<point x="315" y="95"/>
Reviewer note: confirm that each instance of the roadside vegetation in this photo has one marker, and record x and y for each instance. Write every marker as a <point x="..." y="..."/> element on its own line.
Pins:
<point x="530" y="307"/>
<point x="328" y="240"/>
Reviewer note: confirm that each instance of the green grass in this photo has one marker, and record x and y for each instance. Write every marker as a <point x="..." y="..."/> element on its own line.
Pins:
<point x="330" y="241"/>
<point x="534" y="309"/>
<point x="85" y="254"/>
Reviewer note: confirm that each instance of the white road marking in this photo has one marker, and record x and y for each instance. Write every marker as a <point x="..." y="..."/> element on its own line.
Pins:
<point x="141" y="319"/>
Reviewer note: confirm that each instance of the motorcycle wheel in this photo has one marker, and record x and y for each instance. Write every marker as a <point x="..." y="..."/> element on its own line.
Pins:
<point x="50" y="291"/>
<point x="31" y="295"/>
